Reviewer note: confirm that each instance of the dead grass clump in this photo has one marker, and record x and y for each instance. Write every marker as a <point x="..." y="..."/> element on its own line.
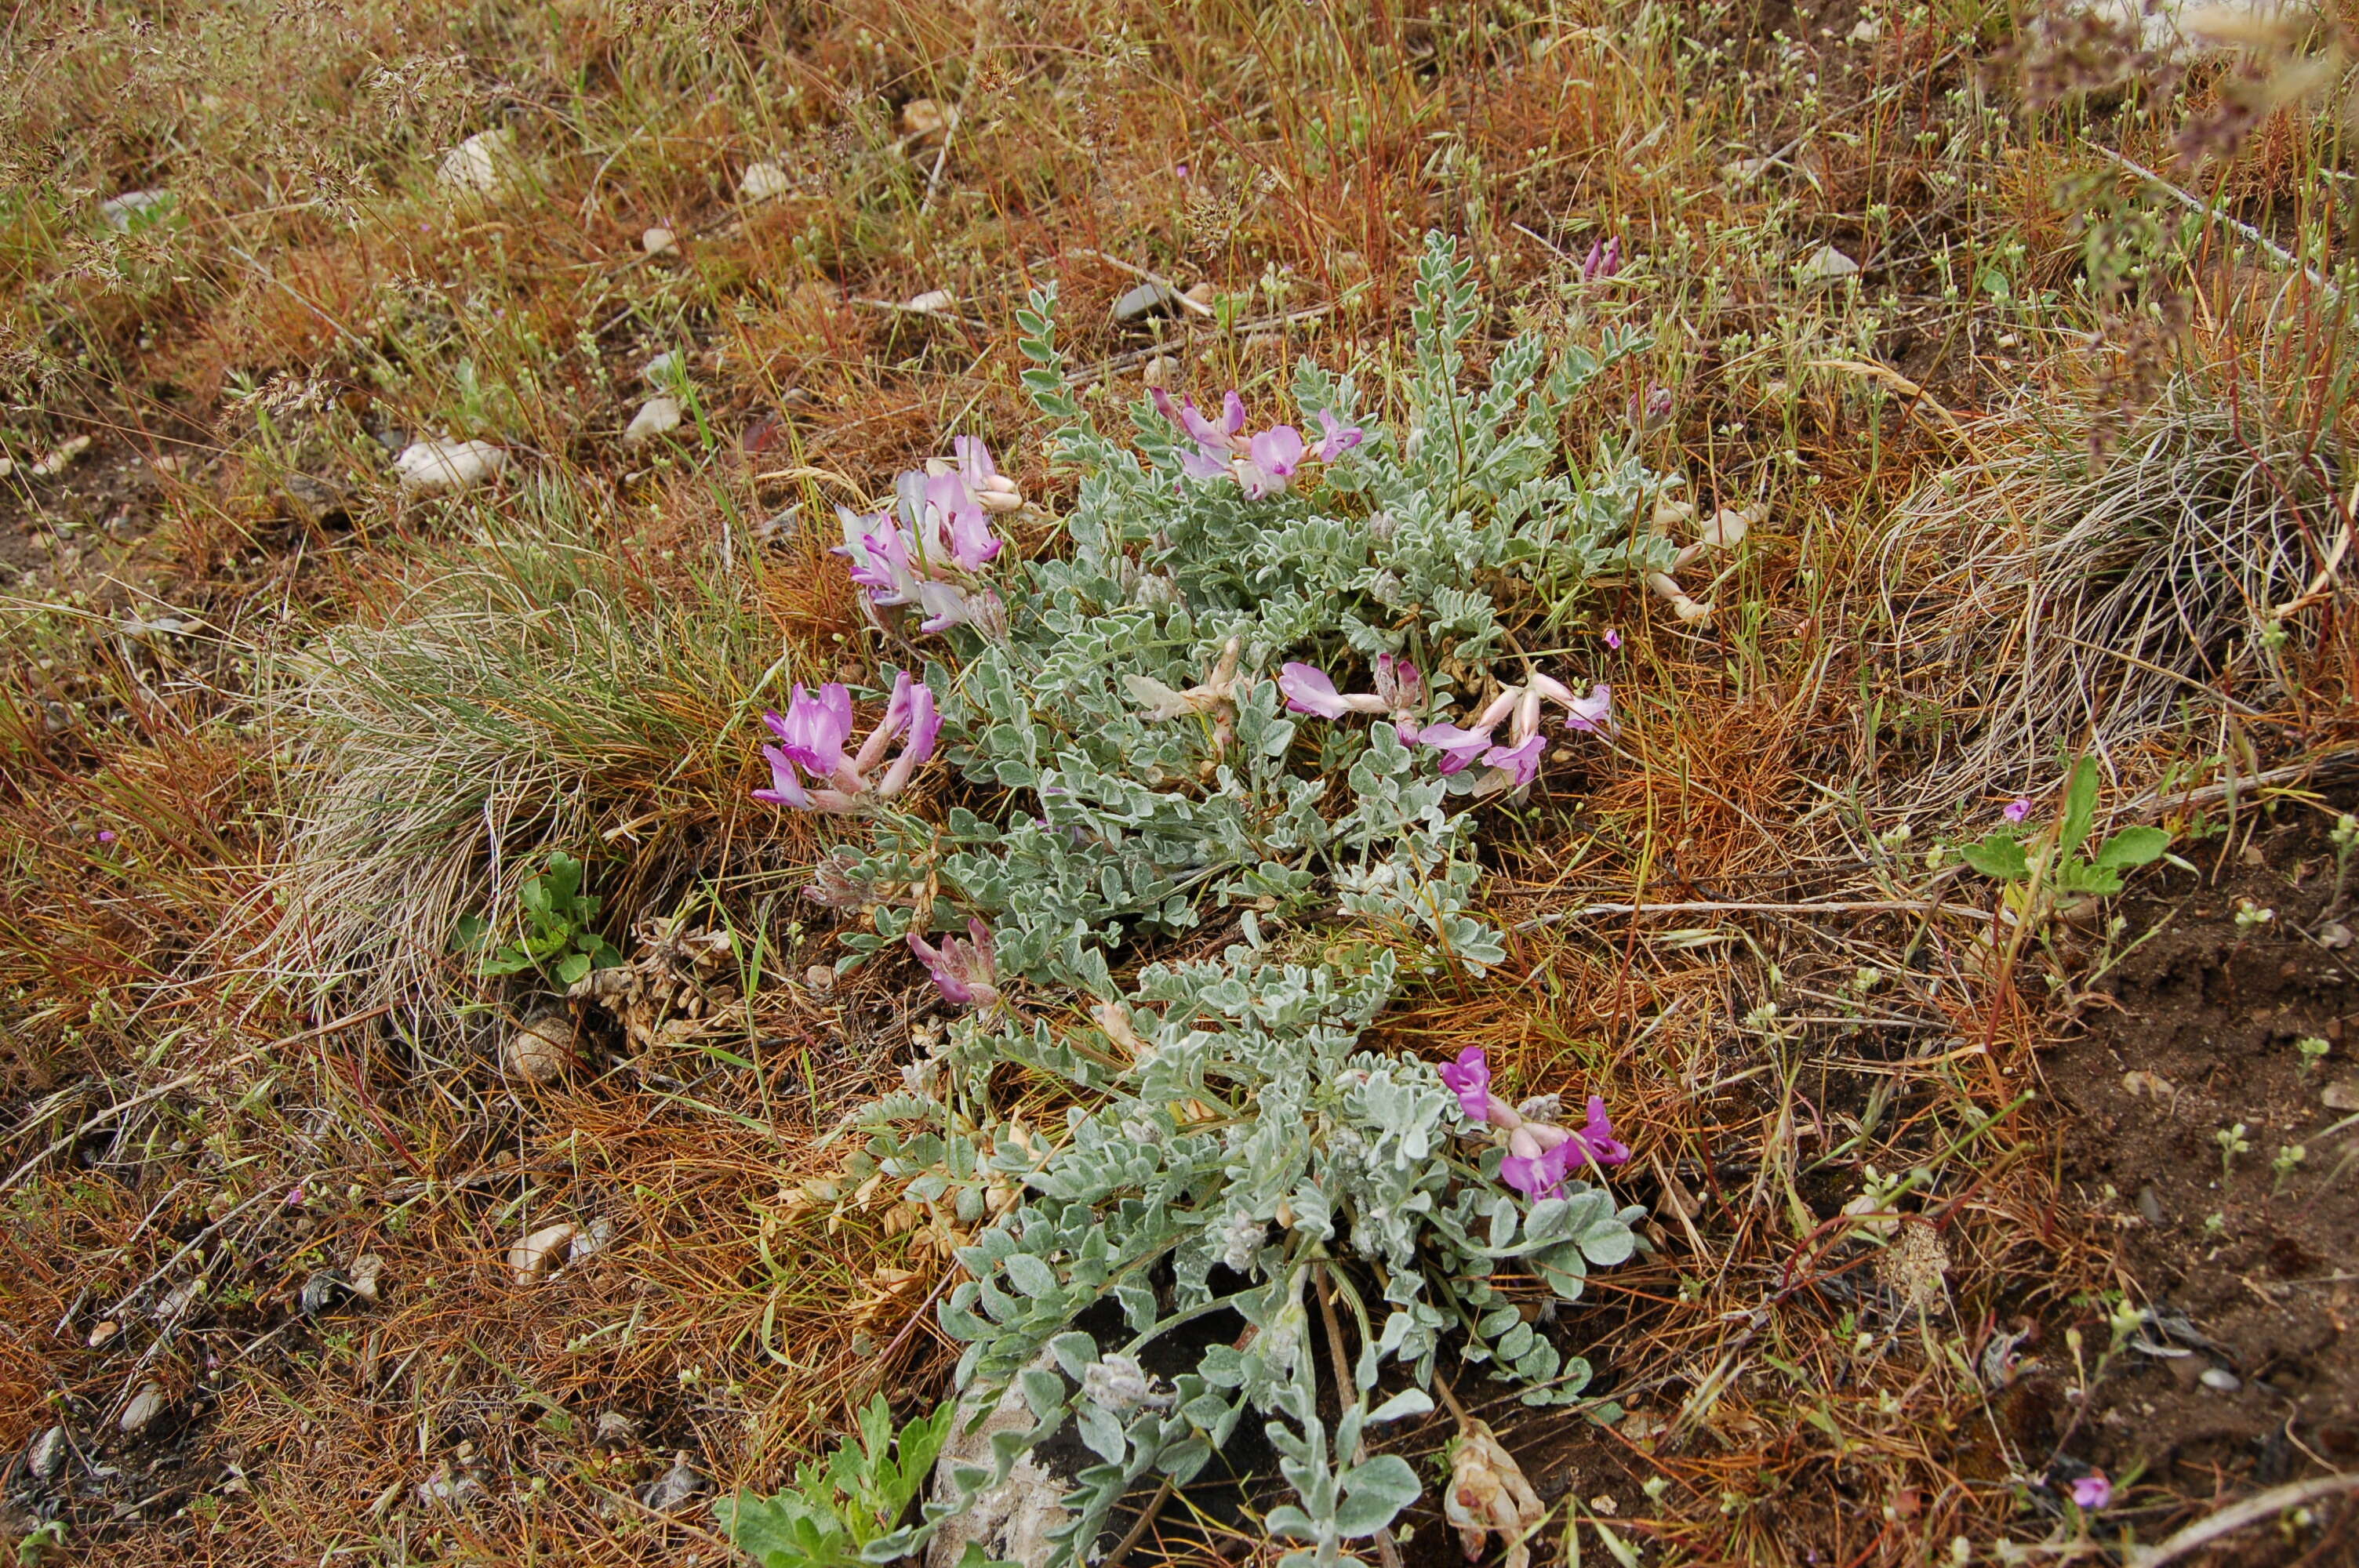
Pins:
<point x="533" y="691"/>
<point x="2054" y="603"/>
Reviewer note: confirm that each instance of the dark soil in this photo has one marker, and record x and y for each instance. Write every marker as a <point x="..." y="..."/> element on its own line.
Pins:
<point x="2250" y="1377"/>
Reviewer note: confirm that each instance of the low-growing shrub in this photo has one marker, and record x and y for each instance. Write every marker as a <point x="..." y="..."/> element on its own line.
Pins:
<point x="1149" y="732"/>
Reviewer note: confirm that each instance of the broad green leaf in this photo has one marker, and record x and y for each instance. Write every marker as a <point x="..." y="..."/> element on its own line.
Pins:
<point x="2133" y="846"/>
<point x="1999" y="856"/>
<point x="2080" y="806"/>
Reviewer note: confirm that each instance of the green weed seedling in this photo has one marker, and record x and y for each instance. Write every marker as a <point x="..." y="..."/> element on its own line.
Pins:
<point x="834" y="1510"/>
<point x="557" y="941"/>
<point x="2032" y="874"/>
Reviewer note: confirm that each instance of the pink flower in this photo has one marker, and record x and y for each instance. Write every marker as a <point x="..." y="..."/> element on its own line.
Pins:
<point x="1603" y="260"/>
<point x="1522" y="761"/>
<point x="1310" y="689"/>
<point x="815" y="728"/>
<point x="812" y="735"/>
<point x="1269" y="461"/>
<point x="2093" y="1491"/>
<point x="1459" y="747"/>
<point x="963" y="969"/>
<point x="1612" y="638"/>
<point x="1400" y="684"/>
<point x="2016" y="810"/>
<point x="1337" y="438"/>
<point x="1469" y="1079"/>
<point x="106" y="835"/>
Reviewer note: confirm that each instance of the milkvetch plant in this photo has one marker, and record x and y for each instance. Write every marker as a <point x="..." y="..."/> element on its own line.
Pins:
<point x="1265" y="675"/>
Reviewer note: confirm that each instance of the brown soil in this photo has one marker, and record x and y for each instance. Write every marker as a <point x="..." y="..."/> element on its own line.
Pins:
<point x="2253" y="1271"/>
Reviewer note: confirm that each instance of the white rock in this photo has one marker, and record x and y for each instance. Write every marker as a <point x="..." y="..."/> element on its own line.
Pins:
<point x="140" y="1415"/>
<point x="762" y="183"/>
<point x="1011" y="1521"/>
<point x="434" y="465"/>
<point x="483" y="164"/>
<point x="119" y="212"/>
<point x="544" y="1250"/>
<point x="1827" y="264"/>
<point x="57" y="461"/>
<point x="933" y="301"/>
<point x="656" y="416"/>
<point x="659" y="240"/>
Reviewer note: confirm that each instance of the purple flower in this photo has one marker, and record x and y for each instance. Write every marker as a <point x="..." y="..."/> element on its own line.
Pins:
<point x="1469" y="1079"/>
<point x="1269" y="461"/>
<point x="986" y="486"/>
<point x="106" y="835"/>
<point x="2093" y="1490"/>
<point x="815" y="728"/>
<point x="1593" y="713"/>
<point x="786" y="786"/>
<point x="1532" y="1169"/>
<point x="2016" y="810"/>
<point x="1603" y="260"/>
<point x="1522" y="761"/>
<point x="1459" y="747"/>
<point x="962" y="969"/>
<point x="1596" y="1137"/>
<point x="811" y="738"/>
<point x="1612" y="638"/>
<point x="1338" y="438"/>
<point x="1311" y="690"/>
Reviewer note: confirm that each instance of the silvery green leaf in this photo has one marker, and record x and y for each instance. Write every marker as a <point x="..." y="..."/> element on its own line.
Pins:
<point x="1407" y="1402"/>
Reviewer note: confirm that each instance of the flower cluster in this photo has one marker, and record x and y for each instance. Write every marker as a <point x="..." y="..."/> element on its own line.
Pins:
<point x="1725" y="530"/>
<point x="1400" y="690"/>
<point x="930" y="548"/>
<point x="1262" y="464"/>
<point x="1604" y="259"/>
<point x="816" y="728"/>
<point x="964" y="968"/>
<point x="1540" y="1154"/>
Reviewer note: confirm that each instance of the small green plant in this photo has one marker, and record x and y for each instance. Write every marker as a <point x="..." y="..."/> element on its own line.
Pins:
<point x="834" y="1510"/>
<point x="2346" y="838"/>
<point x="2314" y="1051"/>
<point x="558" y="940"/>
<point x="37" y="1544"/>
<point x="2289" y="1156"/>
<point x="2066" y="873"/>
<point x="2233" y="1143"/>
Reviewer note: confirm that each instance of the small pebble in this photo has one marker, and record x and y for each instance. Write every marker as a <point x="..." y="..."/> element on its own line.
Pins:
<point x="541" y="1049"/>
<point x="1147" y="299"/>
<point x="2220" y="1380"/>
<point x="762" y="183"/>
<point x="44" y="1456"/>
<point x="324" y="1291"/>
<point x="615" y="1430"/>
<point x="2149" y="1205"/>
<point x="120" y="212"/>
<point x="533" y="1257"/>
<point x="140" y="1415"/>
<point x="659" y="240"/>
<point x="1162" y="371"/>
<point x="367" y="1275"/>
<point x="2341" y="1096"/>
<point x="483" y="164"/>
<point x="426" y="466"/>
<point x="657" y="417"/>
<point x="933" y="301"/>
<point x="104" y="1330"/>
<point x="679" y="1484"/>
<point x="924" y="120"/>
<point x="1826" y="266"/>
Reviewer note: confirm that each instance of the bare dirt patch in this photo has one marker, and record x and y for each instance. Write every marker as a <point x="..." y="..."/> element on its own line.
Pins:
<point x="2245" y="1374"/>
